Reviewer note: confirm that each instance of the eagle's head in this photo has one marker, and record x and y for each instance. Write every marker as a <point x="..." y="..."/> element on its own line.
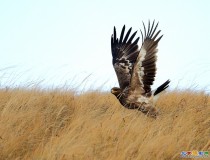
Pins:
<point x="116" y="91"/>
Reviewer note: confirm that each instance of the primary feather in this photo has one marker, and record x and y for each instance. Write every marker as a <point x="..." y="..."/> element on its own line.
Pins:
<point x="124" y="53"/>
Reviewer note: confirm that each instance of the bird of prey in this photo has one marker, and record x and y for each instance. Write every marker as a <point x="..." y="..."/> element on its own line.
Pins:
<point x="136" y="68"/>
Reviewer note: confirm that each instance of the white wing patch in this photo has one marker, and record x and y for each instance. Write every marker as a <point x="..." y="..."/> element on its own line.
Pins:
<point x="142" y="54"/>
<point x="140" y="69"/>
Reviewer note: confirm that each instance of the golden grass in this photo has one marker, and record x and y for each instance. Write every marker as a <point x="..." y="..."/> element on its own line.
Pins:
<point x="59" y="125"/>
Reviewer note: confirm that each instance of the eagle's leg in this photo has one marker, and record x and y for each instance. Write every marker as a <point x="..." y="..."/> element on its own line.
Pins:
<point x="149" y="110"/>
<point x="132" y="106"/>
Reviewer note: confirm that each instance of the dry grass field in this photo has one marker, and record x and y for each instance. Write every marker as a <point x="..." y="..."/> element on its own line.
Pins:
<point x="62" y="125"/>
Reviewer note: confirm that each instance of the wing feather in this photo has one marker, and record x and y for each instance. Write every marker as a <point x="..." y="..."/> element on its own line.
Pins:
<point x="124" y="53"/>
<point x="144" y="69"/>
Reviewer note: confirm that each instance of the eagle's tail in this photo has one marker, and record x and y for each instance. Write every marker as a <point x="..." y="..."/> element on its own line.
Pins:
<point x="161" y="87"/>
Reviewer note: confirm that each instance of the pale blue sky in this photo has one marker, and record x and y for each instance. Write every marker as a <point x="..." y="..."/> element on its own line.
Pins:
<point x="58" y="42"/>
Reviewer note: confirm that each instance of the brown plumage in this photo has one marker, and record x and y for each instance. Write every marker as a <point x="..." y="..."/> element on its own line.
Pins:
<point x="136" y="68"/>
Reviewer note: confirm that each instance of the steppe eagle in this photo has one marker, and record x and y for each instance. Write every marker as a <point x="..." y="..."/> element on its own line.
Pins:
<point x="136" y="68"/>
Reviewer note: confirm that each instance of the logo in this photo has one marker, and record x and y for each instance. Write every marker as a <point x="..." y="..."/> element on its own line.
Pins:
<point x="194" y="154"/>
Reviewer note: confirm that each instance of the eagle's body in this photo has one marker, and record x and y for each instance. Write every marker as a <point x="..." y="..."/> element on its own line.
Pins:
<point x="136" y="68"/>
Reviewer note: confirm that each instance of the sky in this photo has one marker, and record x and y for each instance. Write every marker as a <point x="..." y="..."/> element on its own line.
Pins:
<point x="52" y="43"/>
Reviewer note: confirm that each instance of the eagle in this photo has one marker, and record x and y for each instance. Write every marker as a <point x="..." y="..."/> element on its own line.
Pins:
<point x="136" y="68"/>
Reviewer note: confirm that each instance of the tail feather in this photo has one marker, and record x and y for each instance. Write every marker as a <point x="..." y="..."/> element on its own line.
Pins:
<point x="162" y="87"/>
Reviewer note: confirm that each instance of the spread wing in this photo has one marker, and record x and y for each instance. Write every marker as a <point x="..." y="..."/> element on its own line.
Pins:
<point x="144" y="69"/>
<point x="124" y="53"/>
